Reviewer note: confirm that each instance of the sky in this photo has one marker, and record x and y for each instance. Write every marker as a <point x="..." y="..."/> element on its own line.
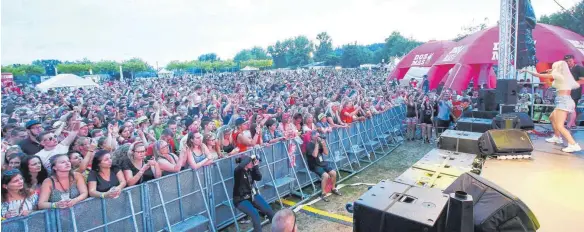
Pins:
<point x="160" y="31"/>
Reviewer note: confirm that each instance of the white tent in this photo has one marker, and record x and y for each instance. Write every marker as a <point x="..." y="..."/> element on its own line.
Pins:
<point x="248" y="68"/>
<point x="165" y="73"/>
<point x="65" y="80"/>
<point x="415" y="73"/>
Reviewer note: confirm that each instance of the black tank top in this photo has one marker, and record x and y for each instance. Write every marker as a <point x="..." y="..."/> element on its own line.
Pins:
<point x="411" y="111"/>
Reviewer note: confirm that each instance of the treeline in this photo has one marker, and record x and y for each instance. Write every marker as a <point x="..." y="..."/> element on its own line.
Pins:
<point x="571" y="19"/>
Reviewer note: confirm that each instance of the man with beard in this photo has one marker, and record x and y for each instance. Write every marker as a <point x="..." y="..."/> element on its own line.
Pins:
<point x="31" y="145"/>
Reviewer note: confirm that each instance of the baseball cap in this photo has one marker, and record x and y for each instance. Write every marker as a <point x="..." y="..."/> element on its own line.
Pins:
<point x="31" y="123"/>
<point x="567" y="57"/>
<point x="321" y="116"/>
<point x="239" y="121"/>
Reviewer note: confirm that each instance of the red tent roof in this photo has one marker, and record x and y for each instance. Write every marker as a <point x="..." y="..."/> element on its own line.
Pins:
<point x="424" y="55"/>
<point x="552" y="43"/>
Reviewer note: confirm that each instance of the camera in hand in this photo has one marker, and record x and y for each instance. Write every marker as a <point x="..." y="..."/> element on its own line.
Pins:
<point x="253" y="159"/>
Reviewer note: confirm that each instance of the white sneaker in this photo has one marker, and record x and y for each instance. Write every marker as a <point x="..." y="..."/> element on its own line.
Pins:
<point x="572" y="148"/>
<point x="555" y="139"/>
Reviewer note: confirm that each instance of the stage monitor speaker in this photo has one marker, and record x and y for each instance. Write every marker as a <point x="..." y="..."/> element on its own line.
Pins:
<point x="460" y="141"/>
<point x="480" y="114"/>
<point x="447" y="162"/>
<point x="525" y="121"/>
<point x="395" y="207"/>
<point x="487" y="100"/>
<point x="505" y="142"/>
<point x="425" y="179"/>
<point x="480" y="125"/>
<point x="507" y="91"/>
<point x="494" y="208"/>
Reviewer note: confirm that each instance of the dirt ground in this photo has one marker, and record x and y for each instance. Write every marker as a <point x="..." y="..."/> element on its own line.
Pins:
<point x="387" y="168"/>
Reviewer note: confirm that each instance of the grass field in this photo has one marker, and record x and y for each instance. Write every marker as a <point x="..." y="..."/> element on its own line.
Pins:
<point x="387" y="168"/>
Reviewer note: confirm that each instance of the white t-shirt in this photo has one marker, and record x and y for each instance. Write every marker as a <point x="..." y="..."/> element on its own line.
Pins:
<point x="46" y="155"/>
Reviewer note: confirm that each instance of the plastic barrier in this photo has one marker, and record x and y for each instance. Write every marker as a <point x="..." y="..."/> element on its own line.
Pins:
<point x="201" y="200"/>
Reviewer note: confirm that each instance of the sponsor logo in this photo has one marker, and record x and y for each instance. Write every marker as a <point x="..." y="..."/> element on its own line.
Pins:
<point x="453" y="53"/>
<point x="422" y="59"/>
<point x="578" y="44"/>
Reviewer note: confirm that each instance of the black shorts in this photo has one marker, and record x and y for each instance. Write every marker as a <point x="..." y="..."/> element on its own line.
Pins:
<point x="427" y="119"/>
<point x="319" y="170"/>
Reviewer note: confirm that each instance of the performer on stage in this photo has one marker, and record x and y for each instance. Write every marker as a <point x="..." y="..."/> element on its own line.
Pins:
<point x="563" y="82"/>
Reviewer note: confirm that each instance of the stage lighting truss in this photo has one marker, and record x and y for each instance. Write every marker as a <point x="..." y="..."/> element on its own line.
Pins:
<point x="508" y="25"/>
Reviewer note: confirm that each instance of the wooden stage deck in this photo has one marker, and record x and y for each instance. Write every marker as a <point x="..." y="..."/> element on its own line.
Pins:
<point x="551" y="184"/>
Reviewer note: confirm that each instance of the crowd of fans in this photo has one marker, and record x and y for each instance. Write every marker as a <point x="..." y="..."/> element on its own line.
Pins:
<point x="65" y="145"/>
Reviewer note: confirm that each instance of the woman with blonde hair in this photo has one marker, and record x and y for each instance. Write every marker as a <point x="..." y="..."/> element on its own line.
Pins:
<point x="136" y="169"/>
<point x="563" y="82"/>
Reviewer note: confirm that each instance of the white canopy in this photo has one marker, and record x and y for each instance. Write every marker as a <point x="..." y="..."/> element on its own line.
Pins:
<point x="65" y="80"/>
<point x="248" y="68"/>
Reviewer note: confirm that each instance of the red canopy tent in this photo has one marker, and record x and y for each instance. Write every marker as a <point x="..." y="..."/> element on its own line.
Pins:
<point x="424" y="55"/>
<point x="480" y="50"/>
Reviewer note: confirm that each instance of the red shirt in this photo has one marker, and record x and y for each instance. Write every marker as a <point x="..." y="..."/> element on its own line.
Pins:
<point x="347" y="119"/>
<point x="457" y="108"/>
<point x="242" y="147"/>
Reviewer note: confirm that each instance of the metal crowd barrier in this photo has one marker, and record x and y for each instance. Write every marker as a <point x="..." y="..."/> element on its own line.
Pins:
<point x="201" y="200"/>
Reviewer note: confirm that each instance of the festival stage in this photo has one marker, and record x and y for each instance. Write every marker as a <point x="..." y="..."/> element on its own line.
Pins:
<point x="551" y="184"/>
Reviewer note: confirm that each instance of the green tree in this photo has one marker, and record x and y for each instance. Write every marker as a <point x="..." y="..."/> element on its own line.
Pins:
<point x="355" y="55"/>
<point x="209" y="57"/>
<point x="29" y="69"/>
<point x="74" y="68"/>
<point x="179" y="65"/>
<point x="48" y="65"/>
<point x="257" y="63"/>
<point x="135" y="65"/>
<point x="571" y="19"/>
<point x="324" y="47"/>
<point x="243" y="55"/>
<point x="299" y="50"/>
<point x="259" y="53"/>
<point x="12" y="69"/>
<point x="106" y="67"/>
<point x="278" y="52"/>
<point x="396" y="45"/>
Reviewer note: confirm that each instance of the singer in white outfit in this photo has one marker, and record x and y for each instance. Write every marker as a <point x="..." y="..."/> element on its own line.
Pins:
<point x="563" y="82"/>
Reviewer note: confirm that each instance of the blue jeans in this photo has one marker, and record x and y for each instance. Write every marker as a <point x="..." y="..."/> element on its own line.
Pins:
<point x="249" y="209"/>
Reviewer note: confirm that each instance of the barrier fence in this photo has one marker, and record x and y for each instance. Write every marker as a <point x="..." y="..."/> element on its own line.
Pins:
<point x="201" y="200"/>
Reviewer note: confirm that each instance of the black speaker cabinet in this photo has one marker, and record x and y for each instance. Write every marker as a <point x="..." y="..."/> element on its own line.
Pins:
<point x="479" y="125"/>
<point x="480" y="114"/>
<point x="425" y="178"/>
<point x="487" y="100"/>
<point x="394" y="207"/>
<point x="494" y="208"/>
<point x="505" y="142"/>
<point x="460" y="141"/>
<point x="507" y="91"/>
<point x="525" y="122"/>
<point x="447" y="162"/>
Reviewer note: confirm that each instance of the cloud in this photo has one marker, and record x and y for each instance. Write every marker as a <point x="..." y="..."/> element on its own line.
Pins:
<point x="168" y="30"/>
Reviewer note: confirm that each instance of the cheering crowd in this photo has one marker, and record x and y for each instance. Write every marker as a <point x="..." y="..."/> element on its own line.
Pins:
<point x="65" y="145"/>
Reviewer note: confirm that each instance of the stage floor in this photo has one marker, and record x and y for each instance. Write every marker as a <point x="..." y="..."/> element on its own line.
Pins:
<point x="551" y="184"/>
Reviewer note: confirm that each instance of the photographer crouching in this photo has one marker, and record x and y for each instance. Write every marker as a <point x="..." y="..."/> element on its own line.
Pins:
<point x="245" y="196"/>
<point x="316" y="163"/>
